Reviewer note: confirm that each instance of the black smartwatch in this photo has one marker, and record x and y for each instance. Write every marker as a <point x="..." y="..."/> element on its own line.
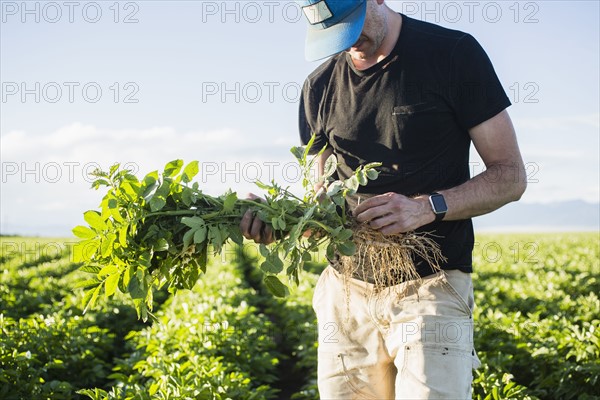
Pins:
<point x="438" y="205"/>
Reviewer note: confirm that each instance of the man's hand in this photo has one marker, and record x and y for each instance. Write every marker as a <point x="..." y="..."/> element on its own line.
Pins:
<point x="392" y="213"/>
<point x="254" y="228"/>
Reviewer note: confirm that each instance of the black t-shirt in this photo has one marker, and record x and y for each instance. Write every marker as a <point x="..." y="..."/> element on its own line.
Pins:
<point x="412" y="111"/>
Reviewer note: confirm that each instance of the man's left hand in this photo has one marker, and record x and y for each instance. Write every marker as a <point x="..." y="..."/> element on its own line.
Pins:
<point x="392" y="213"/>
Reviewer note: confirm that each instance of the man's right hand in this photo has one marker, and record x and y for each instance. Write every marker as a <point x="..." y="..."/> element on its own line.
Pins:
<point x="253" y="228"/>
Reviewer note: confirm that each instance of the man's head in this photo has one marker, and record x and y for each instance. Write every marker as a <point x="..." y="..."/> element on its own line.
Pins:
<point x="337" y="25"/>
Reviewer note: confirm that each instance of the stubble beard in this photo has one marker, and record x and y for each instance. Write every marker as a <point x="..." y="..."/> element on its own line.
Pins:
<point x="373" y="35"/>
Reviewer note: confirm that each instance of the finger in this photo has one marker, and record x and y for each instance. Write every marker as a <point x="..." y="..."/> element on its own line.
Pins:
<point x="393" y="229"/>
<point x="255" y="230"/>
<point x="246" y="224"/>
<point x="267" y="235"/>
<point x="370" y="203"/>
<point x="373" y="213"/>
<point x="384" y="221"/>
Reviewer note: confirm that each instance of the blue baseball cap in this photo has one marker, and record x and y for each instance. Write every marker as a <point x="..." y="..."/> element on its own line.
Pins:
<point x="334" y="25"/>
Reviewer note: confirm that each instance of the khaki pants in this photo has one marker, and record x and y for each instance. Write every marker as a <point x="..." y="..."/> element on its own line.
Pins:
<point x="385" y="346"/>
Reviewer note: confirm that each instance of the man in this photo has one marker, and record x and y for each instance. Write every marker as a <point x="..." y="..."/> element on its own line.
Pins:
<point x="413" y="96"/>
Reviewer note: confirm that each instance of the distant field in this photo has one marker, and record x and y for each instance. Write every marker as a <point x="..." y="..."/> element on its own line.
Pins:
<point x="537" y="334"/>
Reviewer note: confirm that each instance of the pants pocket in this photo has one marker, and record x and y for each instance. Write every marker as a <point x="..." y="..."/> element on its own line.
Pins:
<point x="460" y="295"/>
<point x="435" y="371"/>
<point x="351" y="379"/>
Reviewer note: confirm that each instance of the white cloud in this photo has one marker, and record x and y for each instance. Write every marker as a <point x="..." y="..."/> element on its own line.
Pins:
<point x="45" y="186"/>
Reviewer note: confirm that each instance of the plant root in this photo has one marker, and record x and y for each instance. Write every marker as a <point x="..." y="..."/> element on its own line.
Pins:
<point x="386" y="261"/>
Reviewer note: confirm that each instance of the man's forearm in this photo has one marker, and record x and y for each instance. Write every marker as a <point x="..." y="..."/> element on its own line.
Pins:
<point x="498" y="185"/>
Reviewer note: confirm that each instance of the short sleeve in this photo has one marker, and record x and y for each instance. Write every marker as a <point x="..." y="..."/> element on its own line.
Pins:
<point x="309" y="119"/>
<point x="478" y="94"/>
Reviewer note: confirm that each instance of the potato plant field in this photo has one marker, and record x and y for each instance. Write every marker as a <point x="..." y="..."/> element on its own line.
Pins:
<point x="537" y="327"/>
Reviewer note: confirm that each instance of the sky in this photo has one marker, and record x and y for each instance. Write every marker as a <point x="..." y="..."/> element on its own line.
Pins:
<point x="87" y="84"/>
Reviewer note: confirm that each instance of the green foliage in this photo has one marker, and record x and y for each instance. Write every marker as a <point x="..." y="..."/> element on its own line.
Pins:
<point x="157" y="231"/>
<point x="538" y="320"/>
<point x="210" y="343"/>
<point x="50" y="356"/>
<point x="48" y="350"/>
<point x="537" y="328"/>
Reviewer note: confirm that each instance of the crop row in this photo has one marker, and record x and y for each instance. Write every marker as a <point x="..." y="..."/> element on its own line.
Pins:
<point x="538" y="318"/>
<point x="49" y="349"/>
<point x="537" y="329"/>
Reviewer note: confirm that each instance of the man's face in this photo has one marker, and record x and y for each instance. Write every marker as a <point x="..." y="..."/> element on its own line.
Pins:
<point x="374" y="30"/>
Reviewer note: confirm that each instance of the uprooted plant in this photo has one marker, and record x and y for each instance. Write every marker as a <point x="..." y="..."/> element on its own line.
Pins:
<point x="159" y="230"/>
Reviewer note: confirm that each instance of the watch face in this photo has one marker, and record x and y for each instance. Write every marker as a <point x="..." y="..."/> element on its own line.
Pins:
<point x="438" y="203"/>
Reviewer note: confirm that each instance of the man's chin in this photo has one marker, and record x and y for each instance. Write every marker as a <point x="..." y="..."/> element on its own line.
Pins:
<point x="357" y="54"/>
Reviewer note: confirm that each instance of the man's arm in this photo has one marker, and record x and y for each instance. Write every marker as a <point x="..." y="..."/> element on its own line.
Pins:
<point x="321" y="165"/>
<point x="503" y="181"/>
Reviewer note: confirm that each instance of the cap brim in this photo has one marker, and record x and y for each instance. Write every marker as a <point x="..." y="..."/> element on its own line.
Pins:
<point x="321" y="43"/>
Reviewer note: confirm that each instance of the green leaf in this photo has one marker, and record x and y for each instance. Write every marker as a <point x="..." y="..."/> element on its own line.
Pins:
<point x="84" y="232"/>
<point x="144" y="259"/>
<point x="107" y="245"/>
<point x="361" y="176"/>
<point x="272" y="264"/>
<point x="157" y="203"/>
<point x="100" y="182"/>
<point x="173" y="168"/>
<point x="330" y="166"/>
<point x="200" y="234"/>
<point x="372" y="174"/>
<point x="281" y="223"/>
<point x="110" y="285"/>
<point x="123" y="235"/>
<point x="264" y="250"/>
<point x="229" y="202"/>
<point x="107" y="270"/>
<point x="236" y="235"/>
<point x="345" y="234"/>
<point x="202" y="257"/>
<point x="352" y="183"/>
<point x="136" y="286"/>
<point x="275" y="223"/>
<point x="214" y="235"/>
<point x="298" y="152"/>
<point x="261" y="185"/>
<point x="161" y="245"/>
<point x="347" y="248"/>
<point x="149" y="186"/>
<point x="334" y="188"/>
<point x="90" y="269"/>
<point x="131" y="189"/>
<point x="116" y="214"/>
<point x="188" y="197"/>
<point x="87" y="284"/>
<point x="153" y="388"/>
<point x="188" y="238"/>
<point x="85" y="250"/>
<point x="193" y="222"/>
<point x="90" y="298"/>
<point x="114" y="168"/>
<point x="274" y="285"/>
<point x="308" y="146"/>
<point x="190" y="171"/>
